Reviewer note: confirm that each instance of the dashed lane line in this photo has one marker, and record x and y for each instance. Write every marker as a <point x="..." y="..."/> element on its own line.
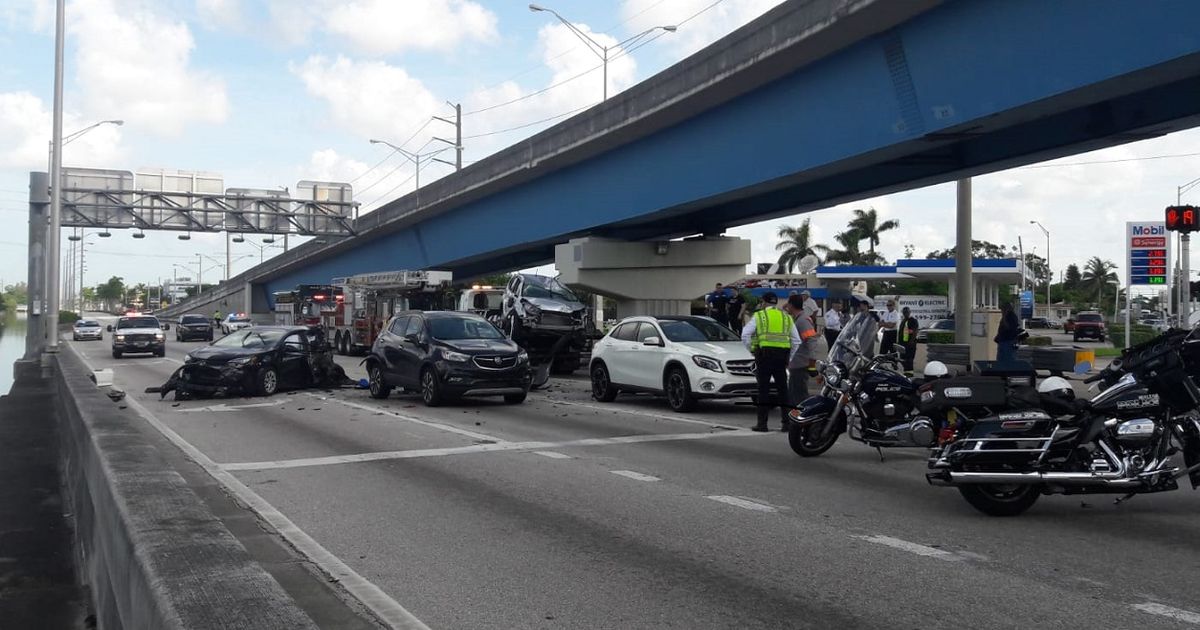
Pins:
<point x="1177" y="614"/>
<point x="645" y="414"/>
<point x="742" y="503"/>
<point x="552" y="454"/>
<point x="635" y="475"/>
<point x="911" y="547"/>
<point x="539" y="447"/>
<point x="384" y="607"/>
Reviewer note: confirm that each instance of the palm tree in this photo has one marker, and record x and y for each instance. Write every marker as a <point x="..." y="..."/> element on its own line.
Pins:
<point x="849" y="254"/>
<point x="866" y="223"/>
<point x="1098" y="273"/>
<point x="796" y="244"/>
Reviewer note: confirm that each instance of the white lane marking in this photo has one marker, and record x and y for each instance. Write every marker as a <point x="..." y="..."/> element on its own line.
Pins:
<point x="646" y="414"/>
<point x="384" y="607"/>
<point x="433" y="425"/>
<point x="635" y="475"/>
<point x="1177" y="614"/>
<point x="224" y="407"/>
<point x="477" y="448"/>
<point x="552" y="455"/>
<point x="911" y="547"/>
<point x="742" y="503"/>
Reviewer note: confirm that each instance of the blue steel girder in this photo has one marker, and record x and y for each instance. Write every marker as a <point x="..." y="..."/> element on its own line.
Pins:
<point x="965" y="88"/>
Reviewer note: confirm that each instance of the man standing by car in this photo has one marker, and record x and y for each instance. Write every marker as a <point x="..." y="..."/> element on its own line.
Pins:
<point x="833" y="323"/>
<point x="217" y="319"/>
<point x="1006" y="335"/>
<point x="772" y="337"/>
<point x="800" y="364"/>
<point x="736" y="304"/>
<point x="890" y="322"/>
<point x="718" y="305"/>
<point x="908" y="339"/>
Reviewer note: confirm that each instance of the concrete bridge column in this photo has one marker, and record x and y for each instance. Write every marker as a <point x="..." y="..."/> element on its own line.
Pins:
<point x="651" y="277"/>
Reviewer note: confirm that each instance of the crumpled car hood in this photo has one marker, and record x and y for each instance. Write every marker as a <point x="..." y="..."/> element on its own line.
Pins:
<point x="556" y="306"/>
<point x="214" y="354"/>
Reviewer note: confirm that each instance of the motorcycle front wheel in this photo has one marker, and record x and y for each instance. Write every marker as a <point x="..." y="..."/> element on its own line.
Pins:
<point x="996" y="499"/>
<point x="806" y="440"/>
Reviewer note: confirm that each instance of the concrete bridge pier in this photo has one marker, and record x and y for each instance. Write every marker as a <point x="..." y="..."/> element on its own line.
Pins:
<point x="651" y="277"/>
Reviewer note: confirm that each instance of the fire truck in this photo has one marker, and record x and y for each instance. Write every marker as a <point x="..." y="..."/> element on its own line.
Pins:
<point x="370" y="299"/>
<point x="306" y="305"/>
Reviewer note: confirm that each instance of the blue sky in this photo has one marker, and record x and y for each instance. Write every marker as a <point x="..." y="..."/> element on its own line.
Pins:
<point x="268" y="92"/>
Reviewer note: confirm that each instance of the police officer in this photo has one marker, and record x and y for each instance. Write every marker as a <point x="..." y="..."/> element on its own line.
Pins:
<point x="771" y="335"/>
<point x="908" y="339"/>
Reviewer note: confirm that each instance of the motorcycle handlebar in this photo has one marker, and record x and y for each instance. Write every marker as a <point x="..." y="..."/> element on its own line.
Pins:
<point x="1093" y="379"/>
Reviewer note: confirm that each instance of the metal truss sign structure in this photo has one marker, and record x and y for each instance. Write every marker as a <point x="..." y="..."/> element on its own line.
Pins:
<point x="100" y="198"/>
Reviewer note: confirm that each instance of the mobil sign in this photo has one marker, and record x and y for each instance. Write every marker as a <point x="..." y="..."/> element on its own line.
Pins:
<point x="1148" y="257"/>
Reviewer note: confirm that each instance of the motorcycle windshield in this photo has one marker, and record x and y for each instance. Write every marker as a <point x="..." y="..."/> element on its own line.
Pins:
<point x="857" y="334"/>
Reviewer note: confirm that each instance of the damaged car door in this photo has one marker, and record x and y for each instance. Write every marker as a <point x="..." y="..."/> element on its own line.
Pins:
<point x="295" y="367"/>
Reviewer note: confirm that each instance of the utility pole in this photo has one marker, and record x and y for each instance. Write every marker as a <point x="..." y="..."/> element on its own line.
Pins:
<point x="53" y="240"/>
<point x="963" y="266"/>
<point x="457" y="144"/>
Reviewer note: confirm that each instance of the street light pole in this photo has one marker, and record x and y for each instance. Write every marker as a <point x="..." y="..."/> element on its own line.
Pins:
<point x="52" y="246"/>
<point x="1185" y="241"/>
<point x="1047" y="233"/>
<point x="596" y="47"/>
<point x="416" y="159"/>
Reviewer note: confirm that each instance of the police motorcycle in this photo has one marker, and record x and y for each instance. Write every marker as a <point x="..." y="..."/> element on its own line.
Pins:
<point x="1124" y="440"/>
<point x="865" y="398"/>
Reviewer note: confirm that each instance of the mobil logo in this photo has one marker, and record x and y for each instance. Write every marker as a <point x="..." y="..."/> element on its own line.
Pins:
<point x="1148" y="229"/>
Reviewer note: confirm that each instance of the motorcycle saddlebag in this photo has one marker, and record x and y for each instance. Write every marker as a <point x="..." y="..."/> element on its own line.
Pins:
<point x="965" y="392"/>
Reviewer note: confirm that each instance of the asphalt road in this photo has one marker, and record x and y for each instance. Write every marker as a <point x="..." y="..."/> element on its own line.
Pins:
<point x="567" y="513"/>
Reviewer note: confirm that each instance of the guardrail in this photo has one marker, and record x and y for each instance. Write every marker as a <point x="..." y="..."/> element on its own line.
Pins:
<point x="151" y="551"/>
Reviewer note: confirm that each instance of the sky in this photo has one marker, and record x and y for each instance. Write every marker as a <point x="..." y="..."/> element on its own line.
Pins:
<point x="265" y="93"/>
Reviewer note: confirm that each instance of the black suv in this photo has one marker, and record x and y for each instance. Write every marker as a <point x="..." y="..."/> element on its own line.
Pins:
<point x="194" y="327"/>
<point x="446" y="355"/>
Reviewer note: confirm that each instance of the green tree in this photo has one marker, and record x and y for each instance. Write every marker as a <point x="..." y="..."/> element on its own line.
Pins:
<point x="866" y="224"/>
<point x="1097" y="273"/>
<point x="1073" y="278"/>
<point x="796" y="244"/>
<point x="979" y="249"/>
<point x="849" y="253"/>
<point x="111" y="292"/>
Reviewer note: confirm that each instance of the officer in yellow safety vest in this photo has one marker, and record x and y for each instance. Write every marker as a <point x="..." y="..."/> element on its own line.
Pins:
<point x="771" y="335"/>
<point x="908" y="338"/>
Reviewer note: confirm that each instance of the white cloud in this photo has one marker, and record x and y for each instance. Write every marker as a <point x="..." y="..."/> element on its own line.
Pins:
<point x="327" y="165"/>
<point x="33" y="15"/>
<point x="369" y="98"/>
<point x="221" y="14"/>
<point x="701" y="30"/>
<point x="134" y="64"/>
<point x="383" y="27"/>
<point x="25" y="126"/>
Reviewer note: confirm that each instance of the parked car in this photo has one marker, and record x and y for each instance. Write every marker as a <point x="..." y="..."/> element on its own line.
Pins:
<point x="260" y="360"/>
<point x="1037" y="322"/>
<point x="1090" y="325"/>
<point x="446" y="355"/>
<point x="235" y="321"/>
<point x="941" y="325"/>
<point x="87" y="329"/>
<point x="138" y="333"/>
<point x="683" y="358"/>
<point x="194" y="327"/>
<point x="1159" y="325"/>
<point x="1069" y="325"/>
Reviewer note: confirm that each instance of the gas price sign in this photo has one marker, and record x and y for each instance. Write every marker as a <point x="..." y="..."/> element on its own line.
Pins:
<point x="1149" y="258"/>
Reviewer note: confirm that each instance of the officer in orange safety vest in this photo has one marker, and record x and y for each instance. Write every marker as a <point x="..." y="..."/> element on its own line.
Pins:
<point x="802" y="363"/>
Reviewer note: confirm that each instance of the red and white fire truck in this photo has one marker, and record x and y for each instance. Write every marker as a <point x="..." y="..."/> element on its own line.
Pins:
<point x="306" y="305"/>
<point x="370" y="299"/>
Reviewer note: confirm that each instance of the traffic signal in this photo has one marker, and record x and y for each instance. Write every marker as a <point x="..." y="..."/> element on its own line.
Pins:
<point x="1182" y="219"/>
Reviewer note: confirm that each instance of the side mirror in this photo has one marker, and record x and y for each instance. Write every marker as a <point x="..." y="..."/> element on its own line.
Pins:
<point x="108" y="328"/>
<point x="652" y="341"/>
<point x="412" y="338"/>
<point x="166" y="327"/>
<point x="508" y="301"/>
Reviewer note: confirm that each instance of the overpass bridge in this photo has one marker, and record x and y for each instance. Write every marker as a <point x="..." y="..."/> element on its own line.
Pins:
<point x="812" y="104"/>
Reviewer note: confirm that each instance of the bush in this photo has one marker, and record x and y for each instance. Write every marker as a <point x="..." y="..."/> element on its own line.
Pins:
<point x="1140" y="334"/>
<point x="67" y="317"/>
<point x="939" y="336"/>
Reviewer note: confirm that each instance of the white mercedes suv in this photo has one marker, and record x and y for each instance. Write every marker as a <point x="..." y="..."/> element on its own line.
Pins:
<point x="683" y="358"/>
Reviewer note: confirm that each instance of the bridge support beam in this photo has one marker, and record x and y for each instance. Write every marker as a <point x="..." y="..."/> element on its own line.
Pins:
<point x="651" y="277"/>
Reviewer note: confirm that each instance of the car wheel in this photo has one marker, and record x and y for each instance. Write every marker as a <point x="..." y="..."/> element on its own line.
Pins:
<point x="515" y="399"/>
<point x="345" y="344"/>
<point x="116" y="354"/>
<point x="379" y="389"/>
<point x="160" y="353"/>
<point x="514" y="326"/>
<point x="431" y="388"/>
<point x="1102" y="338"/>
<point x="74" y="337"/>
<point x="602" y="387"/>
<point x="679" y="391"/>
<point x="1075" y="338"/>
<point x="267" y="381"/>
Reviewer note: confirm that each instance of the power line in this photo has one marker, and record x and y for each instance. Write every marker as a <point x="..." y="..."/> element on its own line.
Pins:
<point x="1136" y="159"/>
<point x="531" y="94"/>
<point x="536" y="122"/>
<point x="390" y="191"/>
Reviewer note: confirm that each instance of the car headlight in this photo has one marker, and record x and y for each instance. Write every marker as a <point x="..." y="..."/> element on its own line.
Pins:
<point x="159" y="335"/>
<point x="707" y="363"/>
<point x="243" y="361"/>
<point x="120" y="337"/>
<point x="189" y="359"/>
<point x="455" y="357"/>
<point x="532" y="310"/>
<point x="522" y="357"/>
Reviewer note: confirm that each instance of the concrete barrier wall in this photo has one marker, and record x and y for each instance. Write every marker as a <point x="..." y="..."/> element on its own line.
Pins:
<point x="151" y="551"/>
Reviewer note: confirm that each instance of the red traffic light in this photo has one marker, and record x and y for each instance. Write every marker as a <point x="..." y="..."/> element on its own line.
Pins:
<point x="1182" y="219"/>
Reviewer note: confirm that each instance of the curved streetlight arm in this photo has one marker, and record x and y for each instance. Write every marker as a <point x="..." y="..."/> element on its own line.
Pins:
<point x="1179" y="190"/>
<point x="668" y="28"/>
<point x="72" y="136"/>
<point x="593" y="45"/>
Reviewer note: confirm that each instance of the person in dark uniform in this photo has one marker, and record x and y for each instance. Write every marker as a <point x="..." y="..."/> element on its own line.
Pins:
<point x="736" y="303"/>
<point x="771" y="335"/>
<point x="908" y="339"/>
<point x="718" y="305"/>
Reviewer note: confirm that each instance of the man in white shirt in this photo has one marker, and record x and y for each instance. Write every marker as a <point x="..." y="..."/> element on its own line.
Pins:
<point x="889" y="321"/>
<point x="810" y="306"/>
<point x="833" y="323"/>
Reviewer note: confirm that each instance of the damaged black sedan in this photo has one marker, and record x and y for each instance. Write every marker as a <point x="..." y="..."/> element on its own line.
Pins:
<point x="257" y="361"/>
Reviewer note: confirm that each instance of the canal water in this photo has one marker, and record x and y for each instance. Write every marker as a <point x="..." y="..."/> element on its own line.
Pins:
<point x="12" y="347"/>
